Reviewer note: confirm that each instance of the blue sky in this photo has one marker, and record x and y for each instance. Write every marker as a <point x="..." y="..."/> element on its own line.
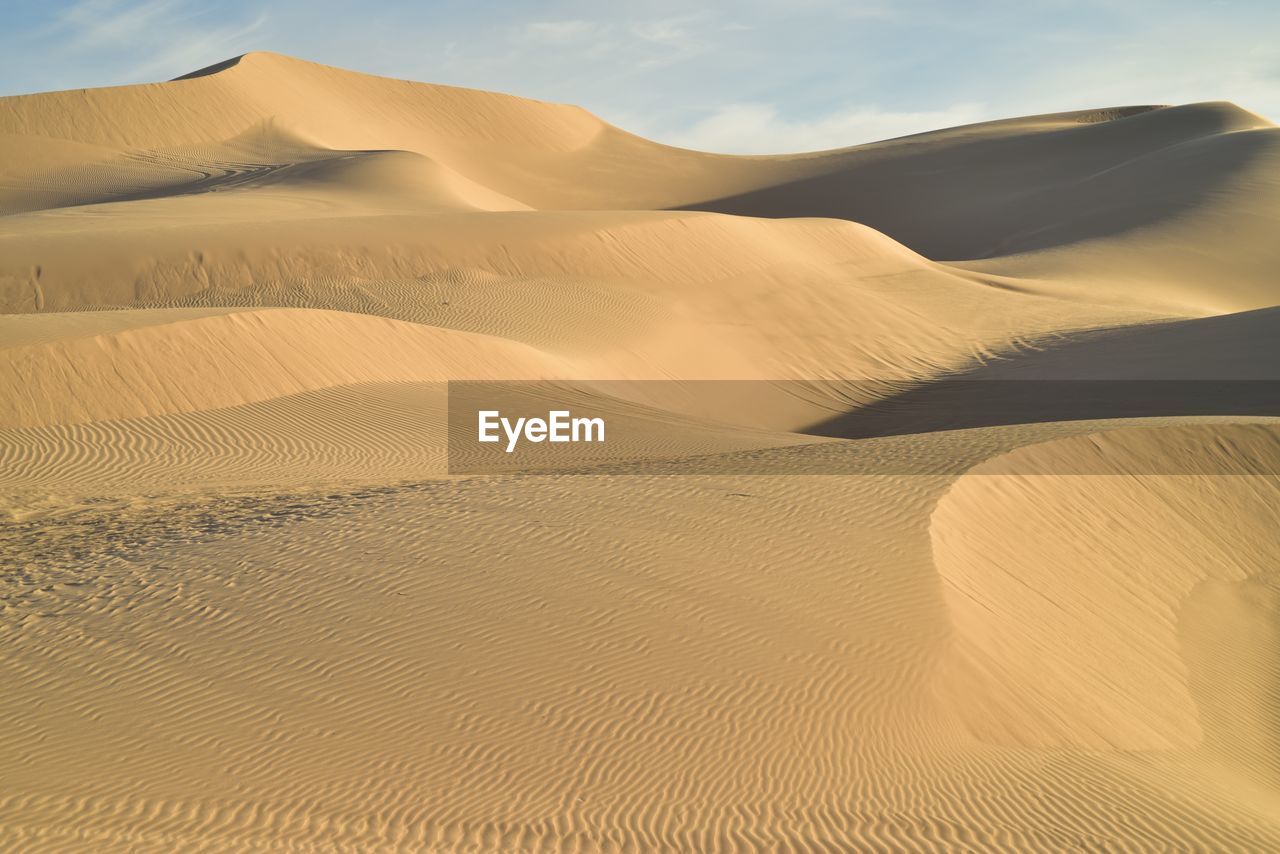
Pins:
<point x="747" y="76"/>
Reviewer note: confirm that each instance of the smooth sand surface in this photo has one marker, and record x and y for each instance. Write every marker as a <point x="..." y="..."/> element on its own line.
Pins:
<point x="244" y="605"/>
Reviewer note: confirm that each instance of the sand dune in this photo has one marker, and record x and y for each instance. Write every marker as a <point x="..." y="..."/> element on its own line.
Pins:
<point x="1179" y="664"/>
<point x="1082" y="179"/>
<point x="177" y="363"/>
<point x="894" y="547"/>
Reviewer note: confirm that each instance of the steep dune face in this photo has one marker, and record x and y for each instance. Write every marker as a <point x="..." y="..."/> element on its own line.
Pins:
<point x="1166" y="208"/>
<point x="1002" y="186"/>
<point x="1039" y="550"/>
<point x="250" y="602"/>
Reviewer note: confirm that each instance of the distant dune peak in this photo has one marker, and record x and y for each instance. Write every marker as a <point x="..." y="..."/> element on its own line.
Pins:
<point x="254" y="59"/>
<point x="211" y="69"/>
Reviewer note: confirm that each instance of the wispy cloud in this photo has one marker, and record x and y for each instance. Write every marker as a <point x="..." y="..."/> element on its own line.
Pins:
<point x="101" y="23"/>
<point x="191" y="49"/>
<point x="137" y="40"/>
<point x="669" y="32"/>
<point x="675" y="39"/>
<point x="761" y="129"/>
<point x="559" y="32"/>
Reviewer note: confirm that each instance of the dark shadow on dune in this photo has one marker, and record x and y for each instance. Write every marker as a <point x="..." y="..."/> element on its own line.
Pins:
<point x="965" y="404"/>
<point x="211" y="69"/>
<point x="954" y="199"/>
<point x="1228" y="365"/>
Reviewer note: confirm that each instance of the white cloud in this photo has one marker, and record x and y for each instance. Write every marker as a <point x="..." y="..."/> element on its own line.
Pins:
<point x="141" y="40"/>
<point x="101" y="23"/>
<point x="671" y="32"/>
<point x="759" y="129"/>
<point x="674" y="38"/>
<point x="558" y="32"/>
<point x="188" y="49"/>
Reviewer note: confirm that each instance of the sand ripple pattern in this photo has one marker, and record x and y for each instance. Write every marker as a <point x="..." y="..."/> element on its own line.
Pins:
<point x="462" y="671"/>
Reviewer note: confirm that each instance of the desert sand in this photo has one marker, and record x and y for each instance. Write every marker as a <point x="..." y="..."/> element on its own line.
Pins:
<point x="246" y="606"/>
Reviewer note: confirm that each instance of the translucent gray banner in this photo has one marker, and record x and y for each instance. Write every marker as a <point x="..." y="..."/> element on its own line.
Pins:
<point x="844" y="427"/>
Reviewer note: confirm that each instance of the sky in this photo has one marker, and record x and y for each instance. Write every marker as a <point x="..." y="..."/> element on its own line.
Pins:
<point x="751" y="76"/>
